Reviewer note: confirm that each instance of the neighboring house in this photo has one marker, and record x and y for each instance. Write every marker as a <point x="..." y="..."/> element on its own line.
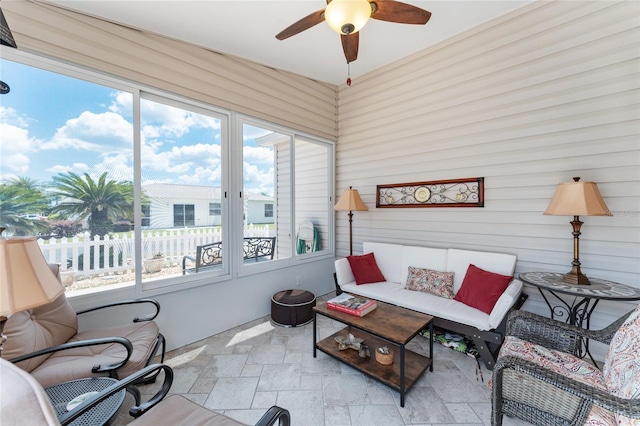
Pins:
<point x="175" y="206"/>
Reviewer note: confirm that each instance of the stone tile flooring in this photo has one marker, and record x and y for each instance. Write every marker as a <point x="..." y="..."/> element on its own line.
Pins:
<point x="245" y="370"/>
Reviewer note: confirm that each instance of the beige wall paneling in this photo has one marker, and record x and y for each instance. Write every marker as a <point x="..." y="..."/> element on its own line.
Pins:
<point x="547" y="92"/>
<point x="177" y="67"/>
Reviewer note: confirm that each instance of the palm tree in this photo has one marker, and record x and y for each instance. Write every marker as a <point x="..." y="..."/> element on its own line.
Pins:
<point x="102" y="202"/>
<point x="19" y="197"/>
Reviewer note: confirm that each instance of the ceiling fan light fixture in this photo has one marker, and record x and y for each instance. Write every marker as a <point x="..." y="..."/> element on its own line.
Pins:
<point x="347" y="16"/>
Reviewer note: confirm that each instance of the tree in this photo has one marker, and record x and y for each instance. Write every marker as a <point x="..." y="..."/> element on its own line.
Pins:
<point x="101" y="202"/>
<point x="18" y="197"/>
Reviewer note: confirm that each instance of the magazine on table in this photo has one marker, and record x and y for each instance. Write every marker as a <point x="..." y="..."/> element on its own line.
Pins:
<point x="350" y="304"/>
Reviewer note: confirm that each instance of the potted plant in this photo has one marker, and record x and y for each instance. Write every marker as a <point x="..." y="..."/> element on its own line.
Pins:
<point x="154" y="264"/>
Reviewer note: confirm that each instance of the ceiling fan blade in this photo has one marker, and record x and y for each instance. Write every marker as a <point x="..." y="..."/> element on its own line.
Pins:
<point x="303" y="24"/>
<point x="350" y="46"/>
<point x="395" y="11"/>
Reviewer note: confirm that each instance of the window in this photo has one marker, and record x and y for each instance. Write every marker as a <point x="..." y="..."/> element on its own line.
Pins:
<point x="215" y="209"/>
<point x="146" y="215"/>
<point x="183" y="215"/>
<point x="156" y="170"/>
<point x="266" y="160"/>
<point x="313" y="191"/>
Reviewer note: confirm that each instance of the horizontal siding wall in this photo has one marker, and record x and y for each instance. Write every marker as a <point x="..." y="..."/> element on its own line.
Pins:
<point x="224" y="81"/>
<point x="526" y="101"/>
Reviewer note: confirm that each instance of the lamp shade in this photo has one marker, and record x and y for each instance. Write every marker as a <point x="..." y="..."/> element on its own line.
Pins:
<point x="25" y="278"/>
<point x="350" y="201"/>
<point x="577" y="199"/>
<point x="347" y="16"/>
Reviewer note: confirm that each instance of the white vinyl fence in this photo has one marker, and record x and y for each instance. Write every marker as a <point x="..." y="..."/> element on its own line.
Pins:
<point x="116" y="254"/>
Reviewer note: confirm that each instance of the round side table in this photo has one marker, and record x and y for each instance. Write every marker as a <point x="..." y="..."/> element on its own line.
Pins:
<point x="61" y="395"/>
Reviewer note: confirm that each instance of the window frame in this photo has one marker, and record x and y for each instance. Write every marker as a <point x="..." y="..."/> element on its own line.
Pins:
<point x="231" y="135"/>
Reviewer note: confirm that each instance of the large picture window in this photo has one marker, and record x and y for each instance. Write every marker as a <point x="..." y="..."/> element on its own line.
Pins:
<point x="117" y="174"/>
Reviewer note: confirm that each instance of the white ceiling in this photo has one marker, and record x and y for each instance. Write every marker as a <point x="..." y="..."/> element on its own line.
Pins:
<point x="247" y="29"/>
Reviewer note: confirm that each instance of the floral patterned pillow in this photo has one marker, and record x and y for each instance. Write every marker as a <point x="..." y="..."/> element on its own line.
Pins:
<point x="430" y="281"/>
<point x="621" y="369"/>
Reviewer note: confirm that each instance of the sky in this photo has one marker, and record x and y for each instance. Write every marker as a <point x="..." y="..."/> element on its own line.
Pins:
<point x="51" y="123"/>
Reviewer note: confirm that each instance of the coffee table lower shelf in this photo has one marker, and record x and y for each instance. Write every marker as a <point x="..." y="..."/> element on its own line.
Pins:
<point x="391" y="375"/>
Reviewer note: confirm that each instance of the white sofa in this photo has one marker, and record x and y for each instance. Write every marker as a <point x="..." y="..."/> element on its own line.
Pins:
<point x="486" y="330"/>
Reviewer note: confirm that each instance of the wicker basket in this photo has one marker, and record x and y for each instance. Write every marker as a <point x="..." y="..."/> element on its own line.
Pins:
<point x="385" y="359"/>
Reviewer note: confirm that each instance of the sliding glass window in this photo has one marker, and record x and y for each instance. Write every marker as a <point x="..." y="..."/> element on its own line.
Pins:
<point x="182" y="158"/>
<point x="127" y="185"/>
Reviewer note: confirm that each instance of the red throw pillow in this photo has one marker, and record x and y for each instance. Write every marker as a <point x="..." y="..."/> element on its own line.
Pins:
<point x="365" y="269"/>
<point x="481" y="289"/>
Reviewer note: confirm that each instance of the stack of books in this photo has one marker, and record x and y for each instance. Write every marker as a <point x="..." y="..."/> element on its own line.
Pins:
<point x="354" y="305"/>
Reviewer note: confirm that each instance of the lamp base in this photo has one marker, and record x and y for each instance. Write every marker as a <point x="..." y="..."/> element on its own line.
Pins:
<point x="575" y="278"/>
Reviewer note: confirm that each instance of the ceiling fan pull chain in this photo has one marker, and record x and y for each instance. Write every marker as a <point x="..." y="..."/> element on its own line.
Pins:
<point x="348" y="74"/>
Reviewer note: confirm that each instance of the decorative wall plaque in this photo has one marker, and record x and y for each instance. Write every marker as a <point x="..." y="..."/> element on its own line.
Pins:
<point x="467" y="192"/>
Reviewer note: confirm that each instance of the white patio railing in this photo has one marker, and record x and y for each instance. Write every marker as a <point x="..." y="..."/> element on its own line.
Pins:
<point x="116" y="254"/>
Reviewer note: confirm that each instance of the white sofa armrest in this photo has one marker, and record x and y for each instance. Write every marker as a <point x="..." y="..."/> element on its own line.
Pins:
<point x="504" y="303"/>
<point x="343" y="272"/>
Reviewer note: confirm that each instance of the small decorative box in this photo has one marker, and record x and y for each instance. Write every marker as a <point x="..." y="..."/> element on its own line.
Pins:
<point x="384" y="355"/>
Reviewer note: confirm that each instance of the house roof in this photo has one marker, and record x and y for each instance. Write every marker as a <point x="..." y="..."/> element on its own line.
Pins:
<point x="194" y="192"/>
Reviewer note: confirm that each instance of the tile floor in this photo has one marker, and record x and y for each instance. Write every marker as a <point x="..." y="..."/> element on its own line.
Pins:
<point x="245" y="370"/>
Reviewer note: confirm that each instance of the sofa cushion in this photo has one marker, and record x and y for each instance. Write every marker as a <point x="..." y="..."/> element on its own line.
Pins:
<point x="365" y="269"/>
<point x="504" y="303"/>
<point x="481" y="289"/>
<point x="458" y="261"/>
<point x="430" y="281"/>
<point x="388" y="257"/>
<point x="422" y="257"/>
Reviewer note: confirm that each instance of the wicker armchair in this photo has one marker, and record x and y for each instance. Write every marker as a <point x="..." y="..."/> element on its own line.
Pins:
<point x="538" y="377"/>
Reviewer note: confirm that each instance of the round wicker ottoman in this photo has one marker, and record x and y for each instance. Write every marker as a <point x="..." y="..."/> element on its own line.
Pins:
<point x="290" y="308"/>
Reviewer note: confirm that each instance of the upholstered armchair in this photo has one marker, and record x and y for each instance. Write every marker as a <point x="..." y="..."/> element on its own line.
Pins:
<point x="539" y="378"/>
<point x="45" y="342"/>
<point x="24" y="402"/>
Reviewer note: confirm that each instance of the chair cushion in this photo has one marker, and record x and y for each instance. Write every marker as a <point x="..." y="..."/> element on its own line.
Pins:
<point x="562" y="363"/>
<point x="598" y="416"/>
<point x="39" y="328"/>
<point x="621" y="368"/>
<point x="178" y="410"/>
<point x="76" y="363"/>
<point x="23" y="399"/>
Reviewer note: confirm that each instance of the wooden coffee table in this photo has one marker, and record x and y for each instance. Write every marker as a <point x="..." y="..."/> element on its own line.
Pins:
<point x="387" y="325"/>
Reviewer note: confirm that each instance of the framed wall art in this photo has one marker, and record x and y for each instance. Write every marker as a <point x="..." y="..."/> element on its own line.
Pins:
<point x="468" y="192"/>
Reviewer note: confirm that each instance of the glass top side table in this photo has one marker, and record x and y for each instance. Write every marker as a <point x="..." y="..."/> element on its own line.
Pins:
<point x="585" y="297"/>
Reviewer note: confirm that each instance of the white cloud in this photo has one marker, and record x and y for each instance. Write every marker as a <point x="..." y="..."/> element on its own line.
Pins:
<point x="257" y="179"/>
<point x="10" y="116"/>
<point x="122" y="103"/>
<point x="75" y="167"/>
<point x="93" y="132"/>
<point x="15" y="148"/>
<point x="258" y="155"/>
<point x="171" y="122"/>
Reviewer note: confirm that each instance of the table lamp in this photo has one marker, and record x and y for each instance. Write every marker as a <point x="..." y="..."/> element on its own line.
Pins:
<point x="25" y="278"/>
<point x="350" y="201"/>
<point x="577" y="199"/>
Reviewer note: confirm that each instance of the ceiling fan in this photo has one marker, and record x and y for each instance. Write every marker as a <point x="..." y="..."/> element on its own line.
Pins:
<point x="347" y="17"/>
